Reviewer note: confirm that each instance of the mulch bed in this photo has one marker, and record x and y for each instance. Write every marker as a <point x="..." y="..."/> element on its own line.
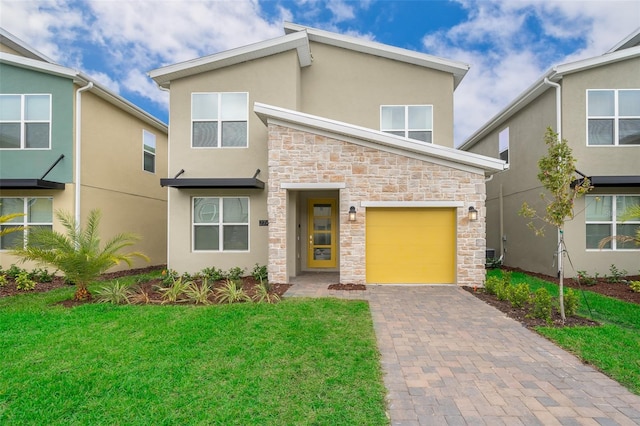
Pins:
<point x="619" y="291"/>
<point x="149" y="288"/>
<point x="347" y="287"/>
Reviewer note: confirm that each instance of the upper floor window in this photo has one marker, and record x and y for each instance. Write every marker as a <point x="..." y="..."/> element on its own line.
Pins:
<point x="409" y="121"/>
<point x="37" y="213"/>
<point x="148" y="151"/>
<point x="25" y="121"/>
<point x="503" y="144"/>
<point x="613" y="117"/>
<point x="221" y="223"/>
<point x="604" y="219"/>
<point x="219" y="120"/>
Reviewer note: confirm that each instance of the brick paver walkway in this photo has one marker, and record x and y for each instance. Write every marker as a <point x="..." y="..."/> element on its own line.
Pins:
<point x="451" y="359"/>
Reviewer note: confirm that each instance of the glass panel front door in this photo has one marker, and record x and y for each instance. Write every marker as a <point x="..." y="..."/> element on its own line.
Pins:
<point x="322" y="234"/>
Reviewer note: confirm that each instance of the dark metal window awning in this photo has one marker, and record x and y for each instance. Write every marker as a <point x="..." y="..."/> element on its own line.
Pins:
<point x="33" y="183"/>
<point x="610" y="181"/>
<point x="213" y="183"/>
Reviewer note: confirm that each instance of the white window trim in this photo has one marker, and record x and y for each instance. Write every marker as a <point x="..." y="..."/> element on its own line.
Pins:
<point x="24" y="219"/>
<point x="217" y="120"/>
<point x="406" y="122"/>
<point x="615" y="117"/>
<point x="23" y="121"/>
<point x="144" y="151"/>
<point x="221" y="225"/>
<point x="613" y="222"/>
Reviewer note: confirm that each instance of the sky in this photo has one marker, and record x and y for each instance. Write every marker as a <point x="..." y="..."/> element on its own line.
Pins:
<point x="507" y="43"/>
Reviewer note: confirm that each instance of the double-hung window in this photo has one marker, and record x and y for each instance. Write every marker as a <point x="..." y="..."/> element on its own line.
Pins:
<point x="409" y="121"/>
<point x="604" y="219"/>
<point x="503" y="144"/>
<point x="148" y="151"/>
<point x="25" y="121"/>
<point x="613" y="117"/>
<point x="37" y="212"/>
<point x="219" y="120"/>
<point x="220" y="224"/>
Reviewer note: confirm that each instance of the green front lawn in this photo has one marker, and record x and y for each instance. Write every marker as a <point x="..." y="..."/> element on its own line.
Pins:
<point x="613" y="348"/>
<point x="300" y="361"/>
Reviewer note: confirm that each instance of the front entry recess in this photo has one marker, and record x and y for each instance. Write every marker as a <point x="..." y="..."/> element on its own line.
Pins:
<point x="322" y="234"/>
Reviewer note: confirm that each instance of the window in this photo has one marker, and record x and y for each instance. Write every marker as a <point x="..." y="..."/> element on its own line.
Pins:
<point x="604" y="214"/>
<point x="148" y="151"/>
<point x="38" y="212"/>
<point x="221" y="224"/>
<point x="613" y="117"/>
<point x="409" y="121"/>
<point x="219" y="120"/>
<point x="25" y="121"/>
<point x="503" y="145"/>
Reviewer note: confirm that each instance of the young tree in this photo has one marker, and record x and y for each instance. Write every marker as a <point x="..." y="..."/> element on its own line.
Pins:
<point x="557" y="171"/>
<point x="77" y="253"/>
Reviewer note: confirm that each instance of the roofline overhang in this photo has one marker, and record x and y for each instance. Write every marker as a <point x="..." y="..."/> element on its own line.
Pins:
<point x="38" y="65"/>
<point x="30" y="184"/>
<point x="629" y="41"/>
<point x="22" y="47"/>
<point x="554" y="74"/>
<point x="458" y="69"/>
<point x="298" y="41"/>
<point x="210" y="183"/>
<point x="379" y="140"/>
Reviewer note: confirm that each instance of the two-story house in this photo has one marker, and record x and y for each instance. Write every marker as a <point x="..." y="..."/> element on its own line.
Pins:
<point x="595" y="105"/>
<point x="316" y="151"/>
<point x="68" y="143"/>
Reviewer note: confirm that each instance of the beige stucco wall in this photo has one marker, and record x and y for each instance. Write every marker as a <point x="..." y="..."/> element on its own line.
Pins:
<point x="274" y="80"/>
<point x="113" y="179"/>
<point x="368" y="174"/>
<point x="350" y="87"/>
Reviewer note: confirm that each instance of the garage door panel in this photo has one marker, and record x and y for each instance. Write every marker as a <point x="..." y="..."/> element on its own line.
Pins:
<point x="410" y="245"/>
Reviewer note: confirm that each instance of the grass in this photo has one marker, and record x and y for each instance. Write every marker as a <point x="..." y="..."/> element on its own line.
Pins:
<point x="613" y="348"/>
<point x="302" y="361"/>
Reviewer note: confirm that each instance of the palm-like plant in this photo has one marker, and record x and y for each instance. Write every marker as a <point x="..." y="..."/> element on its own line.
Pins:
<point x="7" y="218"/>
<point x="78" y="253"/>
<point x="631" y="212"/>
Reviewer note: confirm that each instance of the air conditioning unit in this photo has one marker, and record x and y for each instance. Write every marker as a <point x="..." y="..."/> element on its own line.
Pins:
<point x="490" y="253"/>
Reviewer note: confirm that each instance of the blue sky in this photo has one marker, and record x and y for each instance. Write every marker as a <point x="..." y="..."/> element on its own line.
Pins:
<point x="507" y="43"/>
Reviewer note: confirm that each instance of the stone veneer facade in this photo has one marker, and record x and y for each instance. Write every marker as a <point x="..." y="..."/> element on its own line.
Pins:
<point x="369" y="175"/>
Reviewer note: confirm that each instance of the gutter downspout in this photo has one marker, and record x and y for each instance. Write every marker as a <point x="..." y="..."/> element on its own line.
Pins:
<point x="78" y="147"/>
<point x="164" y="89"/>
<point x="559" y="131"/>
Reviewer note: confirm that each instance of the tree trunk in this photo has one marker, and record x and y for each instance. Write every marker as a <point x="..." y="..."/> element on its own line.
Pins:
<point x="561" y="281"/>
<point x="82" y="293"/>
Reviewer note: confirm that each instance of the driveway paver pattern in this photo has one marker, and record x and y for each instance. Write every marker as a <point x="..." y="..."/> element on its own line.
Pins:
<point x="450" y="359"/>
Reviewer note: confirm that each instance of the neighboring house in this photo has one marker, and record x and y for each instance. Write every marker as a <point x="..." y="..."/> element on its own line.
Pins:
<point x="316" y="151"/>
<point x="595" y="105"/>
<point x="67" y="143"/>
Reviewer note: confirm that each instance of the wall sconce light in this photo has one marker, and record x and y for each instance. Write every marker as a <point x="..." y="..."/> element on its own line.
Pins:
<point x="473" y="214"/>
<point x="352" y="214"/>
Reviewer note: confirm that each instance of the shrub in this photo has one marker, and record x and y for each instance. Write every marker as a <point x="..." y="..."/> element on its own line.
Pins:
<point x="264" y="295"/>
<point x="174" y="292"/>
<point x="199" y="293"/>
<point x="519" y="295"/>
<point x="230" y="292"/>
<point x="139" y="296"/>
<point x="3" y="280"/>
<point x="491" y="285"/>
<point x="41" y="275"/>
<point x="213" y="273"/>
<point x="23" y="282"/>
<point x="586" y="279"/>
<point x="616" y="274"/>
<point x="635" y="286"/>
<point x="14" y="271"/>
<point x="116" y="293"/>
<point x="542" y="305"/>
<point x="259" y="273"/>
<point x="169" y="276"/>
<point x="571" y="302"/>
<point x="235" y="273"/>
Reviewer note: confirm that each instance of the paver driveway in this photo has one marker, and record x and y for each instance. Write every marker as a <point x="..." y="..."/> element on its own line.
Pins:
<point x="450" y="359"/>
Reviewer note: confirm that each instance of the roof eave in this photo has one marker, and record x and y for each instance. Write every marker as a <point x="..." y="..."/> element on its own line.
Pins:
<point x="486" y="164"/>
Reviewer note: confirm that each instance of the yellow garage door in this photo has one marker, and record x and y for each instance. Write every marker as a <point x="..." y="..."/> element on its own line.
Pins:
<point x="411" y="245"/>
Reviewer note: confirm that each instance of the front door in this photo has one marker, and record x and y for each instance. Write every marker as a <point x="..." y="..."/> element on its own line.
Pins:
<point x="322" y="233"/>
